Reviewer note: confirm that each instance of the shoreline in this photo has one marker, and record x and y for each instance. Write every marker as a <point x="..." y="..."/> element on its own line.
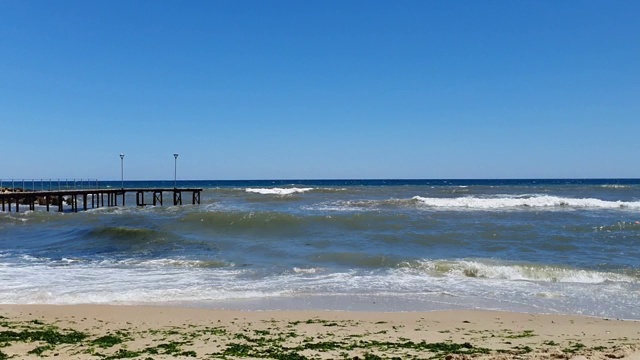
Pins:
<point x="160" y="332"/>
<point x="343" y="303"/>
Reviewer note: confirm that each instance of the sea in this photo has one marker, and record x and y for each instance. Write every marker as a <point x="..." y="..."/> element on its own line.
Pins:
<point x="537" y="246"/>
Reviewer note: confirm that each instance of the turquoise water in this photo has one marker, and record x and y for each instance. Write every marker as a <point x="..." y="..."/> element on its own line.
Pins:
<point x="556" y="246"/>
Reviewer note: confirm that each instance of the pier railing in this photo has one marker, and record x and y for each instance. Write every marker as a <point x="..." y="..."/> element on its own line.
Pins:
<point x="26" y="185"/>
<point x="86" y="192"/>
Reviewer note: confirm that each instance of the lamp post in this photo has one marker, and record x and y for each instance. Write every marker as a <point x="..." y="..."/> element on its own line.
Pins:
<point x="175" y="170"/>
<point x="122" y="169"/>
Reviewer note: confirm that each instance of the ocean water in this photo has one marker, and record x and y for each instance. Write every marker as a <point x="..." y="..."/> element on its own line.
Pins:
<point x="549" y="246"/>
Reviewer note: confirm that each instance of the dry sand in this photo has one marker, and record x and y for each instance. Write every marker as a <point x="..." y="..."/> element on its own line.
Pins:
<point x="146" y="332"/>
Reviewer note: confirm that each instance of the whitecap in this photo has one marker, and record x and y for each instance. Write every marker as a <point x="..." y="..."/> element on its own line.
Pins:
<point x="278" y="191"/>
<point x="516" y="272"/>
<point x="312" y="270"/>
<point x="539" y="202"/>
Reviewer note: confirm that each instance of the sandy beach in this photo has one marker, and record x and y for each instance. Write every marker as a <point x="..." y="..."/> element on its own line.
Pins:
<point x="148" y="332"/>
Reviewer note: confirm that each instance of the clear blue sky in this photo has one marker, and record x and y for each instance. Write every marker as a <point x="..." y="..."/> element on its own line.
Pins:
<point x="320" y="89"/>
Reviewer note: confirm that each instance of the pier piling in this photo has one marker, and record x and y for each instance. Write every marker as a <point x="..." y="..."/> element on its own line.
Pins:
<point x="71" y="196"/>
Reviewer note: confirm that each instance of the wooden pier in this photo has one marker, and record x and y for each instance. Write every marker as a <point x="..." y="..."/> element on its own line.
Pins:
<point x="93" y="197"/>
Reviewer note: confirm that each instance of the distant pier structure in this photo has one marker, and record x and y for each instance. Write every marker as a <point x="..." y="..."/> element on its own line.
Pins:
<point x="92" y="196"/>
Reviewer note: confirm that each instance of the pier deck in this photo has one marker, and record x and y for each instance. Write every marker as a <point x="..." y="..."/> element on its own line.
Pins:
<point x="93" y="197"/>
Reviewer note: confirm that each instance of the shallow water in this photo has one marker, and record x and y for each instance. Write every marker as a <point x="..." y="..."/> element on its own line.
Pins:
<point x="558" y="246"/>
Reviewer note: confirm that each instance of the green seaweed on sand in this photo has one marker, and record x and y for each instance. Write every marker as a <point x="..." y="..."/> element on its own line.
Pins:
<point x="236" y="349"/>
<point x="370" y="356"/>
<point x="574" y="348"/>
<point x="107" y="341"/>
<point x="524" y="334"/>
<point x="523" y="349"/>
<point x="51" y="335"/>
<point x="170" y="348"/>
<point x="322" y="346"/>
<point x="217" y="331"/>
<point x="40" y="350"/>
<point x="123" y="354"/>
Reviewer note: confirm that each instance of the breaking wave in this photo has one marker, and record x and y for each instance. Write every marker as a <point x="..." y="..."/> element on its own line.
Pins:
<point x="516" y="272"/>
<point x="538" y="201"/>
<point x="278" y="191"/>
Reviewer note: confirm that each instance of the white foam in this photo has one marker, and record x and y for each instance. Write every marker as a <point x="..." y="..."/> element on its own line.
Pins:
<point x="615" y="186"/>
<point x="30" y="258"/>
<point x="518" y="272"/>
<point x="357" y="205"/>
<point x="339" y="206"/>
<point x="537" y="201"/>
<point x="298" y="270"/>
<point x="278" y="191"/>
<point x="485" y="285"/>
<point x="498" y="202"/>
<point x="70" y="261"/>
